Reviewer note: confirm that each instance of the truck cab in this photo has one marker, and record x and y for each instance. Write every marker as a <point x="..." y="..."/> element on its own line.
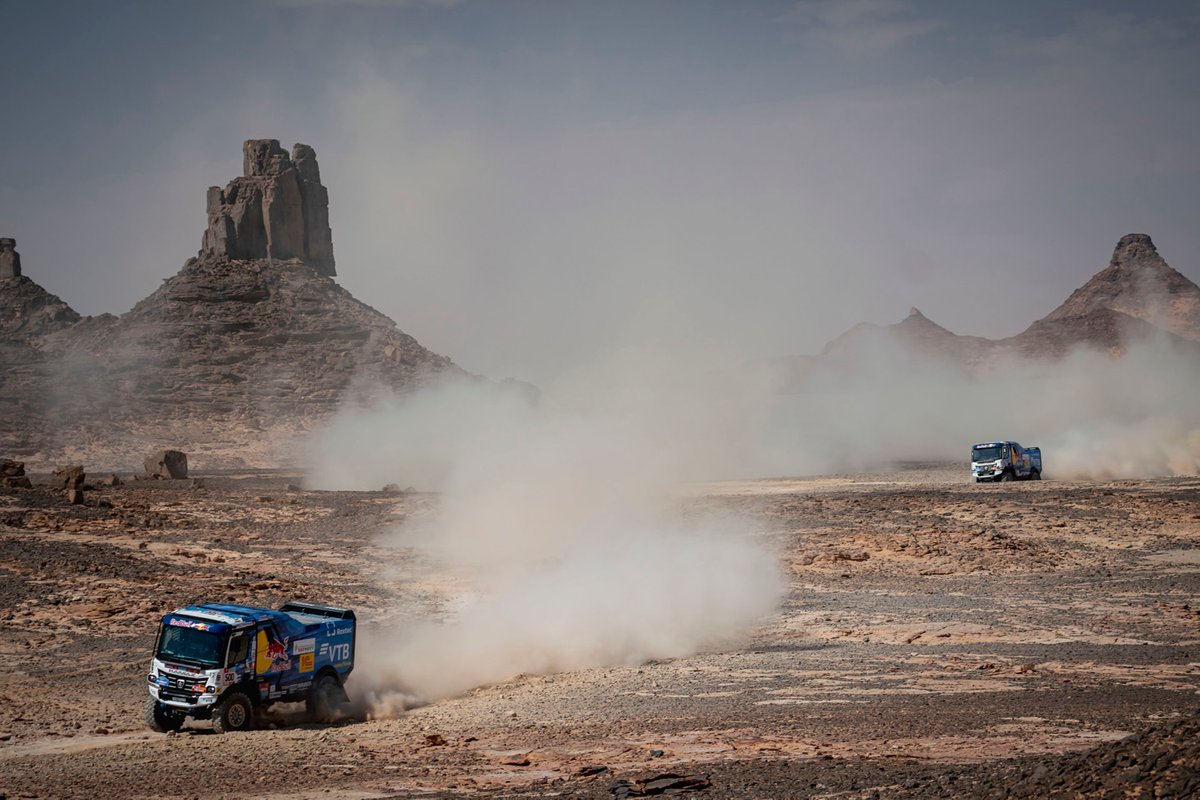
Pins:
<point x="227" y="662"/>
<point x="1005" y="461"/>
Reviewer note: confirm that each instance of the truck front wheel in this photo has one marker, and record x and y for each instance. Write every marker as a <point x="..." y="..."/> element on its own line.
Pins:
<point x="234" y="713"/>
<point x="326" y="699"/>
<point x="1005" y="477"/>
<point x="162" y="719"/>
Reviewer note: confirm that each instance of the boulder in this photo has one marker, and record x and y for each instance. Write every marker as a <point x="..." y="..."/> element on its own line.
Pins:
<point x="111" y="480"/>
<point x="10" y="468"/>
<point x="70" y="477"/>
<point x="167" y="464"/>
<point x="75" y="497"/>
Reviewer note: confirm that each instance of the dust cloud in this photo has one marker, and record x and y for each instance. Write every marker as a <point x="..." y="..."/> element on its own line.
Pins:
<point x="563" y="523"/>
<point x="1095" y="416"/>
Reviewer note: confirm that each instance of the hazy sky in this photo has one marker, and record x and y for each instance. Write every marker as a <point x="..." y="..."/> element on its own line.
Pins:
<point x="522" y="184"/>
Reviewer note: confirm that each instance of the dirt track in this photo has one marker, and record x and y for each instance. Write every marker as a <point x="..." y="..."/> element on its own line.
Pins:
<point x="935" y="631"/>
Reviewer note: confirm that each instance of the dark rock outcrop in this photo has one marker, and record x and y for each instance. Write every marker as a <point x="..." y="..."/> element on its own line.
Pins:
<point x="10" y="259"/>
<point x="12" y="474"/>
<point x="277" y="210"/>
<point x="167" y="464"/>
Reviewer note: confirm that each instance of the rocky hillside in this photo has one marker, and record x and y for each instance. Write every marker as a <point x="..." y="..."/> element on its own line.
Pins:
<point x="1138" y="296"/>
<point x="234" y="359"/>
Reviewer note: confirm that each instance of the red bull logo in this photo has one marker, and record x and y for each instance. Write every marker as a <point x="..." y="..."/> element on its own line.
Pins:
<point x="272" y="652"/>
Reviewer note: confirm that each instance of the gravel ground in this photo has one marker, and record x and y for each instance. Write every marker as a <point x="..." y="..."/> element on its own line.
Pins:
<point x="940" y="639"/>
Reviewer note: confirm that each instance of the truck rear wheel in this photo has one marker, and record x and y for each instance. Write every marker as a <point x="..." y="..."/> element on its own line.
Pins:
<point x="234" y="713"/>
<point x="162" y="719"/>
<point x="1035" y="475"/>
<point x="326" y="699"/>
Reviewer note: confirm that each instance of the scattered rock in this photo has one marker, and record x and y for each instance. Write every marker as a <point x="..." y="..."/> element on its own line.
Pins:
<point x="588" y="771"/>
<point x="68" y="478"/>
<point x="434" y="740"/>
<point x="110" y="480"/>
<point x="663" y="783"/>
<point x="167" y="464"/>
<point x="518" y="760"/>
<point x="11" y="469"/>
<point x="75" y="497"/>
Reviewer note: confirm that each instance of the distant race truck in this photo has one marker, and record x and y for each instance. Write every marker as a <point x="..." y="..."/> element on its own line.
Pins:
<point x="228" y="662"/>
<point x="1005" y="461"/>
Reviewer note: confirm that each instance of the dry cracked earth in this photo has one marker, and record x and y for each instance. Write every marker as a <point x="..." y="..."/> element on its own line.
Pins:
<point x="940" y="639"/>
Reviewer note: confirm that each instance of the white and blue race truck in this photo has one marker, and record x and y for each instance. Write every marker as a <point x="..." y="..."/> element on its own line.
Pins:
<point x="1005" y="461"/>
<point x="227" y="662"/>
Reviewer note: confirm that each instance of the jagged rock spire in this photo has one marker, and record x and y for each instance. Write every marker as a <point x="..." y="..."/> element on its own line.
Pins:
<point x="277" y="210"/>
<point x="10" y="259"/>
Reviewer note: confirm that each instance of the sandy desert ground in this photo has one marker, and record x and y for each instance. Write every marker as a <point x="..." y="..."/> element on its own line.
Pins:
<point x="939" y="639"/>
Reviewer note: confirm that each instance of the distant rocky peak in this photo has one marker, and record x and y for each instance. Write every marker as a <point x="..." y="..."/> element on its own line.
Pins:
<point x="278" y="210"/>
<point x="27" y="310"/>
<point x="1136" y="250"/>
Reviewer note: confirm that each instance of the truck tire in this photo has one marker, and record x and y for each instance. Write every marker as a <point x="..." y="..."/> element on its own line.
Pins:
<point x="326" y="699"/>
<point x="234" y="713"/>
<point x="160" y="718"/>
<point x="1005" y="477"/>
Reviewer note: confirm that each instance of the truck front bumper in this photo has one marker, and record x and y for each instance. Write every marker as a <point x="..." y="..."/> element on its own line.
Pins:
<point x="182" y="698"/>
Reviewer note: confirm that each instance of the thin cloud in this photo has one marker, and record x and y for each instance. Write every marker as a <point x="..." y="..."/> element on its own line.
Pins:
<point x="861" y="27"/>
<point x="380" y="3"/>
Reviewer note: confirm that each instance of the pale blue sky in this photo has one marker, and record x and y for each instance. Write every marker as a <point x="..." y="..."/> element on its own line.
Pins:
<point x="520" y="185"/>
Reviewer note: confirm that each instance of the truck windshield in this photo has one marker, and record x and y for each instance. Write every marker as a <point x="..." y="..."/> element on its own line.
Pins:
<point x="191" y="645"/>
<point x="985" y="454"/>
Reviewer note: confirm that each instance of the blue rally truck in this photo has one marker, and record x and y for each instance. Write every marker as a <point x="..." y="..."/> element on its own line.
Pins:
<point x="1005" y="461"/>
<point x="226" y="662"/>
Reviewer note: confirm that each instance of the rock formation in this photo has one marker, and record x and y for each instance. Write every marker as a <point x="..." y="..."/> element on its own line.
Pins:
<point x="235" y="359"/>
<point x="10" y="259"/>
<point x="277" y="210"/>
<point x="27" y="310"/>
<point x="1138" y="283"/>
<point x="1138" y="296"/>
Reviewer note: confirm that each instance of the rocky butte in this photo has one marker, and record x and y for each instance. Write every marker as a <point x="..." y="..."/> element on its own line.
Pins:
<point x="233" y="359"/>
<point x="277" y="210"/>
